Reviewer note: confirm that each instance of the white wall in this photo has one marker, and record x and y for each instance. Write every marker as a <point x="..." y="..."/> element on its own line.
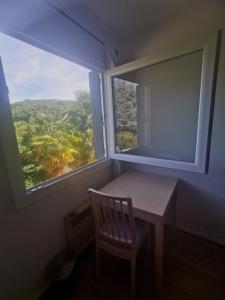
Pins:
<point x="31" y="236"/>
<point x="195" y="23"/>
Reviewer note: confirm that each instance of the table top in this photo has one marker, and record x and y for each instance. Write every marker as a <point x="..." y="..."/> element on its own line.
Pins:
<point x="149" y="192"/>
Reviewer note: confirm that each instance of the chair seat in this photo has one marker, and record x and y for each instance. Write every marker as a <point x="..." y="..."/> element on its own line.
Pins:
<point x="121" y="238"/>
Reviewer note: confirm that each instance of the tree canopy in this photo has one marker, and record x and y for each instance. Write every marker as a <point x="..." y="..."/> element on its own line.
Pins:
<point x="125" y="104"/>
<point x="54" y="136"/>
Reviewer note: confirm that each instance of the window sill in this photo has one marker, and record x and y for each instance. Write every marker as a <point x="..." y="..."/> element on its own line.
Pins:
<point x="56" y="184"/>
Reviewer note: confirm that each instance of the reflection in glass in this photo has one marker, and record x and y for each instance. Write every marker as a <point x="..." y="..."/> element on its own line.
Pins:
<point x="156" y="109"/>
<point x="125" y="115"/>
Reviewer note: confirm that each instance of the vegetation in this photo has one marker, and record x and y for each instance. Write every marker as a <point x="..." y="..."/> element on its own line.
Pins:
<point x="54" y="136"/>
<point x="126" y="140"/>
<point x="125" y="114"/>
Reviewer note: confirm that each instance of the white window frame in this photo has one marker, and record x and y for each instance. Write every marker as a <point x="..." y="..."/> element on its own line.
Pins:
<point x="206" y="86"/>
<point x="22" y="196"/>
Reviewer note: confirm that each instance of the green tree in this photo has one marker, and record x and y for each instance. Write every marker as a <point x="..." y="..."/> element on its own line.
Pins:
<point x="125" y="114"/>
<point x="126" y="140"/>
<point x="54" y="136"/>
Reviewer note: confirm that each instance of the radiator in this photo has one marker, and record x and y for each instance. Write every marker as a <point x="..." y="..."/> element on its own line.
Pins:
<point x="79" y="229"/>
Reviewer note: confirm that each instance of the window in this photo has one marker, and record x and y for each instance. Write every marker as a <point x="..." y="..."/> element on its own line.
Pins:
<point x="160" y="108"/>
<point x="56" y="108"/>
<point x="159" y="122"/>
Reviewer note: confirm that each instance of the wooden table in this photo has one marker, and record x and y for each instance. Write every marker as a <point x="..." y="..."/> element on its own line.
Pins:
<point x="151" y="196"/>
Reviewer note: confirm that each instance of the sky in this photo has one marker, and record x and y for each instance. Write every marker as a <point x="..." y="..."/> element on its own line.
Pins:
<point x="32" y="73"/>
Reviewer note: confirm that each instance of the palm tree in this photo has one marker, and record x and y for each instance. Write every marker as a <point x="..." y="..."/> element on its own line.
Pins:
<point x="55" y="153"/>
<point x="53" y="140"/>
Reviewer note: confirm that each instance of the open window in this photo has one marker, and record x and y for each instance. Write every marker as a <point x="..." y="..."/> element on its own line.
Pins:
<point x="51" y="119"/>
<point x="159" y="108"/>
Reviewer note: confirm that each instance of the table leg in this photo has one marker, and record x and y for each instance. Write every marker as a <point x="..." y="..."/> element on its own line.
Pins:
<point x="149" y="240"/>
<point x="174" y="211"/>
<point x="159" y="236"/>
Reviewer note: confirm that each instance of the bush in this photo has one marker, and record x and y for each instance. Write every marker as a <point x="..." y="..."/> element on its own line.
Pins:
<point x="126" y="140"/>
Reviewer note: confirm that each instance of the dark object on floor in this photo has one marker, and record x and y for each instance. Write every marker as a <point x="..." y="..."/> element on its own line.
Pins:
<point x="61" y="266"/>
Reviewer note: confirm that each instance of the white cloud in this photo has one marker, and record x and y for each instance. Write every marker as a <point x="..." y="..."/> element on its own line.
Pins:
<point x="36" y="74"/>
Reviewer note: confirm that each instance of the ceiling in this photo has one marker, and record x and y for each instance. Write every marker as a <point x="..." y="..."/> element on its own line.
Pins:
<point x="20" y="14"/>
<point x="128" y="18"/>
<point x="123" y="18"/>
<point x="133" y="16"/>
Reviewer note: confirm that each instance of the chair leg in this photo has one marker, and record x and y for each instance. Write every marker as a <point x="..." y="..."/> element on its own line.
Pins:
<point x="98" y="262"/>
<point x="133" y="277"/>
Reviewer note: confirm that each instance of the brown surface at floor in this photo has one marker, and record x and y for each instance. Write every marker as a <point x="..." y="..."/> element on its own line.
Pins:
<point x="194" y="269"/>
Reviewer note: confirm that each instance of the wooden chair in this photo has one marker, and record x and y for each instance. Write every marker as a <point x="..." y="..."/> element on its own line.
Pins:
<point x="117" y="231"/>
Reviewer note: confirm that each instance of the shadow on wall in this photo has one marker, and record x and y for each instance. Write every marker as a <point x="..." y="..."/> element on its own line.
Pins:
<point x="177" y="30"/>
<point x="200" y="209"/>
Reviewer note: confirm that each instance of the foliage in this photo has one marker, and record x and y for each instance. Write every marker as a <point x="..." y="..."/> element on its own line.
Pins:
<point x="126" y="140"/>
<point x="125" y="114"/>
<point x="54" y="136"/>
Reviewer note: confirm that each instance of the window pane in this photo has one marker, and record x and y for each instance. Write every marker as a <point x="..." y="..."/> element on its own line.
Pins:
<point x="156" y="109"/>
<point x="125" y="107"/>
<point x="52" y="110"/>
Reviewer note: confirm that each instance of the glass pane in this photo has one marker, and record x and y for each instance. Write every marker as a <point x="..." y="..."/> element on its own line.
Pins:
<point x="125" y="107"/>
<point x="52" y="111"/>
<point x="156" y="109"/>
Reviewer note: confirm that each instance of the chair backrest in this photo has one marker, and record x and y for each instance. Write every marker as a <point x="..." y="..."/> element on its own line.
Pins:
<point x="114" y="219"/>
